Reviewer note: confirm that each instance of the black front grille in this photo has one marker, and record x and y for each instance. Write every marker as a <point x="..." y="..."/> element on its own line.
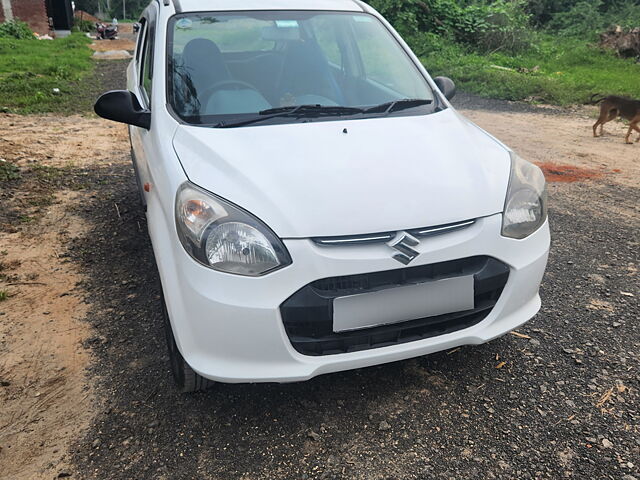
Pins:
<point x="308" y="313"/>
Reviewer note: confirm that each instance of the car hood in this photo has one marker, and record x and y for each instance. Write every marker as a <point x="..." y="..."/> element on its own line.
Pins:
<point x="351" y="177"/>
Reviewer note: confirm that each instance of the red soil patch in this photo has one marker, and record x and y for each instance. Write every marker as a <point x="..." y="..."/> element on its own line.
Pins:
<point x="85" y="16"/>
<point x="568" y="173"/>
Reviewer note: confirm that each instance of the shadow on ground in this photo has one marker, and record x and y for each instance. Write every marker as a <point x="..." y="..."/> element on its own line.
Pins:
<point x="232" y="428"/>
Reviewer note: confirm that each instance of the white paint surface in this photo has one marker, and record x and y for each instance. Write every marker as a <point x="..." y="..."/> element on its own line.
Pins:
<point x="7" y="10"/>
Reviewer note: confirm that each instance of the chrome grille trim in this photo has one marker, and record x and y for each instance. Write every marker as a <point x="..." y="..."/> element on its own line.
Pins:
<point x="387" y="236"/>
<point x="355" y="239"/>
<point x="425" y="232"/>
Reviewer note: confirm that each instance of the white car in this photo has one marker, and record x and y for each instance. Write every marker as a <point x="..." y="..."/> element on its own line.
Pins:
<point x="314" y="202"/>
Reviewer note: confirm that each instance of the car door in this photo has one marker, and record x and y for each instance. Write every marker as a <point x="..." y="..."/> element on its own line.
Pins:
<point x="141" y="84"/>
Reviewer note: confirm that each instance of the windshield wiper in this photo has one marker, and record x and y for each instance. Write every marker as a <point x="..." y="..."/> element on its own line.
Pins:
<point x="396" y="105"/>
<point x="311" y="110"/>
<point x="300" y="111"/>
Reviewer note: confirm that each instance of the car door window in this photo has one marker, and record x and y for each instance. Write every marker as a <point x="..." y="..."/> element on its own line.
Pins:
<point x="140" y="40"/>
<point x="147" y="62"/>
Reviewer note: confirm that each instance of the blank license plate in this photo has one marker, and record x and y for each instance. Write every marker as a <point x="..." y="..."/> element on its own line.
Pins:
<point x="404" y="303"/>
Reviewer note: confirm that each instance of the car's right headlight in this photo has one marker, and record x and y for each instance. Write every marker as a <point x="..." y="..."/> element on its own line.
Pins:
<point x="224" y="237"/>
<point x="525" y="208"/>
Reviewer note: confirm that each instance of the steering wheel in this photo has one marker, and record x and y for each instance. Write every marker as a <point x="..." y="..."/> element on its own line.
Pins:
<point x="238" y="84"/>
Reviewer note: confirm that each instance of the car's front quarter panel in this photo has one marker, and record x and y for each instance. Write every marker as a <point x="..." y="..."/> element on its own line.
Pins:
<point x="155" y="160"/>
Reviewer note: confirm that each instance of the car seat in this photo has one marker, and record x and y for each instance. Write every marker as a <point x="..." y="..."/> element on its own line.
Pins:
<point x="307" y="76"/>
<point x="203" y="63"/>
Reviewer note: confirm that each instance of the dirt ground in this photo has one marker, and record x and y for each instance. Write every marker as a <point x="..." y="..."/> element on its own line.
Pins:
<point x="84" y="382"/>
<point x="46" y="399"/>
<point x="557" y="140"/>
<point x="107" y="45"/>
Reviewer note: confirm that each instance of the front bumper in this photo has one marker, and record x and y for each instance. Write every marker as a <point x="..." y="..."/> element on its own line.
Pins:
<point x="229" y="328"/>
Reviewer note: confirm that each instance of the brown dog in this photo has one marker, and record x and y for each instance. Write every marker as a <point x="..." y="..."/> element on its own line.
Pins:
<point x="612" y="107"/>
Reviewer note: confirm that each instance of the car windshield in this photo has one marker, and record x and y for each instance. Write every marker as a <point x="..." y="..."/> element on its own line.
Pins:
<point x="232" y="66"/>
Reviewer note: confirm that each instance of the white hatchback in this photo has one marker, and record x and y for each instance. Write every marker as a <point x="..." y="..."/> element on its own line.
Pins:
<point x="314" y="202"/>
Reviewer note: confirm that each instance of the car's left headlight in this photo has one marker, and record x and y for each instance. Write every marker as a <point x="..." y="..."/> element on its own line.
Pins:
<point x="525" y="208"/>
<point x="224" y="237"/>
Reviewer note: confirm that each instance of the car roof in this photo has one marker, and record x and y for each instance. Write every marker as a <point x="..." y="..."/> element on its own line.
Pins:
<point x="239" y="5"/>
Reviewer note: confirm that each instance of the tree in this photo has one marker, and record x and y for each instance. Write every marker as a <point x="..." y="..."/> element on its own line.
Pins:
<point x="89" y="6"/>
<point x="113" y="8"/>
<point x="133" y="8"/>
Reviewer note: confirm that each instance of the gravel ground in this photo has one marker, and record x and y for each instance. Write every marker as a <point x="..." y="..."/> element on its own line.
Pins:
<point x="469" y="101"/>
<point x="558" y="400"/>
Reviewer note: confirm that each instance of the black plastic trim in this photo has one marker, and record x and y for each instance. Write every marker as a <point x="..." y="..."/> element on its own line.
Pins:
<point x="308" y="314"/>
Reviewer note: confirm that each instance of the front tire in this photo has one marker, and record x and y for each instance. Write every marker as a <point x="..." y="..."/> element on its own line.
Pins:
<point x="185" y="378"/>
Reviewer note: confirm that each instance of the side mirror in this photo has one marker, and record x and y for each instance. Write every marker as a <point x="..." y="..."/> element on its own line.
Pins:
<point x="446" y="86"/>
<point x="122" y="106"/>
<point x="136" y="27"/>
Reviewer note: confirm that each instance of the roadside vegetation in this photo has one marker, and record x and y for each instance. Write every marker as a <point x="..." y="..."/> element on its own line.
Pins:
<point x="556" y="70"/>
<point x="533" y="50"/>
<point x="42" y="75"/>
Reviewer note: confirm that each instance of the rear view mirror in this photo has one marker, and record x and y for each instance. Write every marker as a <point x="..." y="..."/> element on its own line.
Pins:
<point x="446" y="86"/>
<point x="283" y="33"/>
<point x="123" y="106"/>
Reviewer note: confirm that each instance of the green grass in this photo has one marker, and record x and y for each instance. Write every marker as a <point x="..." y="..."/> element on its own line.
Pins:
<point x="559" y="71"/>
<point x="31" y="69"/>
<point x="4" y="295"/>
<point x="8" y="171"/>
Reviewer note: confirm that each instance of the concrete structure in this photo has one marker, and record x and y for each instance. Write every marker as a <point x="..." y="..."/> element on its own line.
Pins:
<point x="43" y="16"/>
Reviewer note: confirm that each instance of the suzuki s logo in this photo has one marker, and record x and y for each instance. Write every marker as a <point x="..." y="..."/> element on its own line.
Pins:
<point x="403" y="243"/>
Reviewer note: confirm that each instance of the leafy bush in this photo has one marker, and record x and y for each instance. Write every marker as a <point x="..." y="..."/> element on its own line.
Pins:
<point x="16" y="29"/>
<point x="625" y="13"/>
<point x="582" y="18"/>
<point x="486" y="26"/>
<point x="550" y="13"/>
<point x="83" y="25"/>
<point x="590" y="17"/>
<point x="501" y="25"/>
